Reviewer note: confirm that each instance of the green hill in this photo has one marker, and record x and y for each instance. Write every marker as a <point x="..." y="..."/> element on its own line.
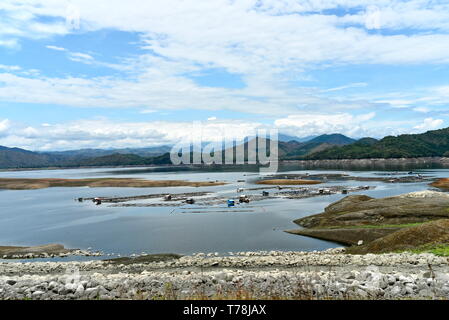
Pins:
<point x="20" y="158"/>
<point x="430" y="144"/>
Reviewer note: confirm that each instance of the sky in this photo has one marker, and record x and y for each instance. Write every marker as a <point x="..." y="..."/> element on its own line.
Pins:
<point x="112" y="74"/>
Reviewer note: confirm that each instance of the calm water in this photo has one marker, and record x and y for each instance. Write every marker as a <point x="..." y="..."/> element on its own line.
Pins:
<point x="35" y="217"/>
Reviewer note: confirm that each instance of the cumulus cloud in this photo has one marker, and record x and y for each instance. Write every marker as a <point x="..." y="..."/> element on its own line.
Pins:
<point x="4" y="127"/>
<point x="430" y="124"/>
<point x="104" y="133"/>
<point x="312" y="124"/>
<point x="109" y="134"/>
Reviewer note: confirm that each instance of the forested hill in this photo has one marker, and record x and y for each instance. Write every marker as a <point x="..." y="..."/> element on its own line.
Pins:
<point x="430" y="144"/>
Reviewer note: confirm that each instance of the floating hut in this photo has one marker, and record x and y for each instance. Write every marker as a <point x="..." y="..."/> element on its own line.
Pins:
<point x="243" y="198"/>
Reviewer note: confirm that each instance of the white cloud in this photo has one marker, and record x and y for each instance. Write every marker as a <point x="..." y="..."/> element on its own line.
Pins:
<point x="9" y="68"/>
<point x="81" y="57"/>
<point x="430" y="124"/>
<point x="315" y="124"/>
<point x="107" y="134"/>
<point x="104" y="133"/>
<point x="422" y="109"/>
<point x="4" y="127"/>
<point x="349" y="86"/>
<point x="56" y="48"/>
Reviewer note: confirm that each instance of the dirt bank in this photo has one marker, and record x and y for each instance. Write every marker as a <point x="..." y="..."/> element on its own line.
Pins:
<point x="427" y="235"/>
<point x="359" y="210"/>
<point x="441" y="183"/>
<point x="288" y="182"/>
<point x="382" y="225"/>
<point x="345" y="236"/>
<point x="28" y="184"/>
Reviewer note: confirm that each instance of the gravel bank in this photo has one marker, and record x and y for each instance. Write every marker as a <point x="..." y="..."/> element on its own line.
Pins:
<point x="297" y="275"/>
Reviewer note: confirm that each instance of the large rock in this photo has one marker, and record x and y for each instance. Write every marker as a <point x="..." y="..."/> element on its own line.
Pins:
<point x="11" y="252"/>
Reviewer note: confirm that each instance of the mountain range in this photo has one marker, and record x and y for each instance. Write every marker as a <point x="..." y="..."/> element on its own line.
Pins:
<point x="328" y="146"/>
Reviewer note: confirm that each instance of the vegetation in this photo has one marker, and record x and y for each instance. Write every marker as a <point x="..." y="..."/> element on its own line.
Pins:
<point x="441" y="250"/>
<point x="430" y="144"/>
<point x="375" y="226"/>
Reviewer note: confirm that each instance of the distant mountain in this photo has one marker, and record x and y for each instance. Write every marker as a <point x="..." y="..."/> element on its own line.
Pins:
<point x="116" y="159"/>
<point x="15" y="158"/>
<point x="91" y="153"/>
<point x="430" y="144"/>
<point x="335" y="139"/>
<point x="317" y="144"/>
<point x="20" y="158"/>
<point x="287" y="138"/>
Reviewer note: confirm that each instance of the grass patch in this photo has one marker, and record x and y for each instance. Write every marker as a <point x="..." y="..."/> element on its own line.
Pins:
<point x="375" y="226"/>
<point x="441" y="250"/>
<point x="405" y="225"/>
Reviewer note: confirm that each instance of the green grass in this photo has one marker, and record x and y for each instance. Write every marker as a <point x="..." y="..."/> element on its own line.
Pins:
<point x="405" y="225"/>
<point x="441" y="250"/>
<point x="375" y="226"/>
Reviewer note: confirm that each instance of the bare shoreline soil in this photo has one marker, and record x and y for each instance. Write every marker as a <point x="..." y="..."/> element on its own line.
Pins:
<point x="30" y="184"/>
<point x="288" y="182"/>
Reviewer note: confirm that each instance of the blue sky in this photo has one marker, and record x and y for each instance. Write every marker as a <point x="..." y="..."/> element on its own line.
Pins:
<point x="76" y="74"/>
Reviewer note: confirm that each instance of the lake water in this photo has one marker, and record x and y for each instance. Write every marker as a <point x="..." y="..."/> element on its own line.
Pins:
<point x="35" y="217"/>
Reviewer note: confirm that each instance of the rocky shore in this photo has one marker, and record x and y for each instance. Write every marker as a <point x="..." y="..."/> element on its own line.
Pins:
<point x="44" y="251"/>
<point x="330" y="274"/>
